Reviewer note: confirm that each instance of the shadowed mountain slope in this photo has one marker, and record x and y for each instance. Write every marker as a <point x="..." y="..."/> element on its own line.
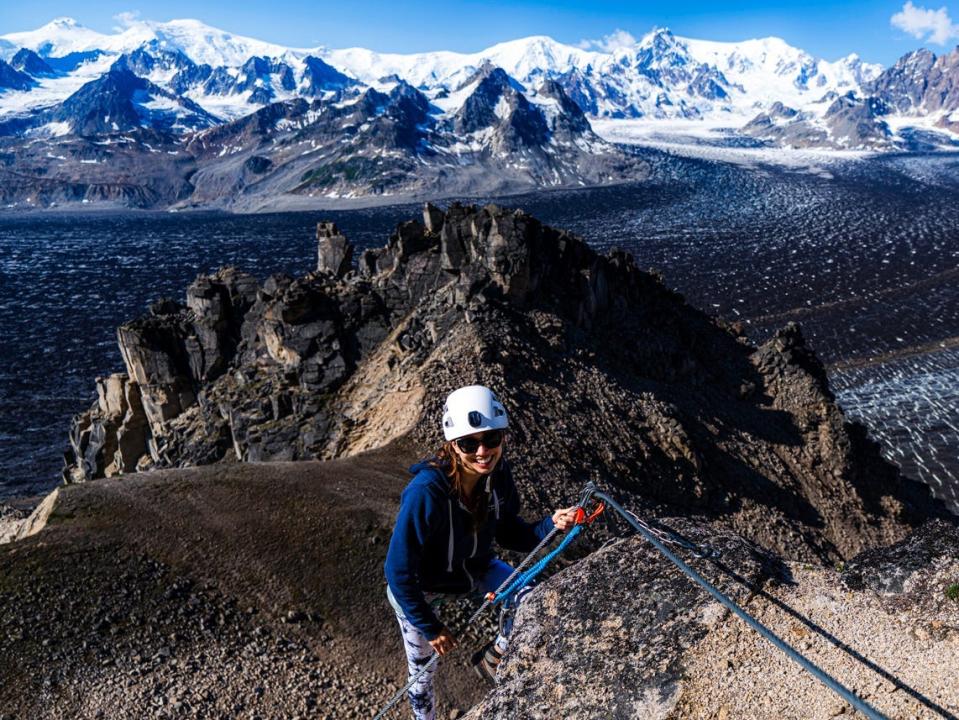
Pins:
<point x="608" y="375"/>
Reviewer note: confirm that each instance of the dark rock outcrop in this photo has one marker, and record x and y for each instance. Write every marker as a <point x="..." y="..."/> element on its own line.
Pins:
<point x="857" y="121"/>
<point x="13" y="79"/>
<point x="112" y="439"/>
<point x="848" y="122"/>
<point x="498" y="104"/>
<point x="250" y="130"/>
<point x="151" y="58"/>
<point x="115" y="103"/>
<point x="570" y="122"/>
<point x="30" y="63"/>
<point x="608" y="374"/>
<point x="319" y="78"/>
<point x="334" y="251"/>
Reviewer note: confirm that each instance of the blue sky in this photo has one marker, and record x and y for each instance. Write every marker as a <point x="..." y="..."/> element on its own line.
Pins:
<point x="825" y="29"/>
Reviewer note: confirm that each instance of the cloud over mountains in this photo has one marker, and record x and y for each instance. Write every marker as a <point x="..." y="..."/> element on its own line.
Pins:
<point x="933" y="26"/>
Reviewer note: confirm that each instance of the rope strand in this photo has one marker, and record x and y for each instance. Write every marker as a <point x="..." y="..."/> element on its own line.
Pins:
<point x="659" y="539"/>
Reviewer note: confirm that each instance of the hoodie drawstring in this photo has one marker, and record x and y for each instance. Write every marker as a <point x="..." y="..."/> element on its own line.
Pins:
<point x="449" y="551"/>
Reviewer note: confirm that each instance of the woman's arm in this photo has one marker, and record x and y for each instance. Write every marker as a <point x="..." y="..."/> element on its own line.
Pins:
<point x="404" y="558"/>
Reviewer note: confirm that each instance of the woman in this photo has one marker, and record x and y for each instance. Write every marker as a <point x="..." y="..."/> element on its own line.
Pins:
<point x="457" y="503"/>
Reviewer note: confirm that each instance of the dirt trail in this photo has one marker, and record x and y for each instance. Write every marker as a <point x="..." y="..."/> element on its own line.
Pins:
<point x="260" y="584"/>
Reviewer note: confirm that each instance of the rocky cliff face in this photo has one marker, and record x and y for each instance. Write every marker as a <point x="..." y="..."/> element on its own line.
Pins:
<point x="920" y="83"/>
<point x="12" y="79"/>
<point x="904" y="85"/>
<point x="608" y="375"/>
<point x="848" y="122"/>
<point x="623" y="634"/>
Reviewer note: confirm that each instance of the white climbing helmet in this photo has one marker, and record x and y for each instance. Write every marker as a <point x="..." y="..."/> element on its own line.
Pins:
<point x="472" y="409"/>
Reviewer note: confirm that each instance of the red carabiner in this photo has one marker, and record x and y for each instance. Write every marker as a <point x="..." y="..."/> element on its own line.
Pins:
<point x="582" y="518"/>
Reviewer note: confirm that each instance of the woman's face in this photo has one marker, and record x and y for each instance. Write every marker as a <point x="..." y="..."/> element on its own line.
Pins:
<point x="485" y="458"/>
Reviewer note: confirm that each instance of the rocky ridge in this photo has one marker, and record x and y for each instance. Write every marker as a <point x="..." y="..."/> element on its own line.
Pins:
<point x="849" y="122"/>
<point x="623" y="634"/>
<point x="255" y="589"/>
<point x="608" y="374"/>
<point x="339" y="140"/>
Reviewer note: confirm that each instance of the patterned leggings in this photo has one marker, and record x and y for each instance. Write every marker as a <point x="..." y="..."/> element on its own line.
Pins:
<point x="419" y="651"/>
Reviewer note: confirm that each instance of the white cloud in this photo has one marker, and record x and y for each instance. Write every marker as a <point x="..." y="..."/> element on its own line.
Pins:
<point x="126" y="20"/>
<point x="615" y="40"/>
<point x="934" y="26"/>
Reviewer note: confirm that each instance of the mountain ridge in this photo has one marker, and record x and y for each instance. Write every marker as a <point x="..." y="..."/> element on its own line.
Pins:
<point x="527" y="59"/>
<point x="419" y="133"/>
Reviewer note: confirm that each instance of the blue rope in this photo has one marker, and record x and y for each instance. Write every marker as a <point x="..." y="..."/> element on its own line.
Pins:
<point x="534" y="570"/>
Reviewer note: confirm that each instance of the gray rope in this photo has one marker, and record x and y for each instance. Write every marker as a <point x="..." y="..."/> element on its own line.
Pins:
<point x="848" y="695"/>
<point x="702" y="551"/>
<point x="659" y="540"/>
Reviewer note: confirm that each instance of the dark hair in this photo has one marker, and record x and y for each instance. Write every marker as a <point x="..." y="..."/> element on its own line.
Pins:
<point x="449" y="462"/>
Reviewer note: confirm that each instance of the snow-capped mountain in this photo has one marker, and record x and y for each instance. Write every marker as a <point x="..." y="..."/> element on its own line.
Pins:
<point x="288" y="124"/>
<point x="237" y="117"/>
<point x="661" y="76"/>
<point x="912" y="105"/>
<point x="201" y="43"/>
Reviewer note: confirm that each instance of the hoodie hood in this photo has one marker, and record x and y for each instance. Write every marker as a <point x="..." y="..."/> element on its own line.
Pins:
<point x="427" y="464"/>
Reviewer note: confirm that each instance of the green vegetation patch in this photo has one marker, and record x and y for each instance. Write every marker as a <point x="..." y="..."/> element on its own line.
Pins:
<point x="355" y="168"/>
<point x="952" y="592"/>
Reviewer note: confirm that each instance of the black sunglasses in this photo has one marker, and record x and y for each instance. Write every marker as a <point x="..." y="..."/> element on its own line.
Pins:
<point x="470" y="444"/>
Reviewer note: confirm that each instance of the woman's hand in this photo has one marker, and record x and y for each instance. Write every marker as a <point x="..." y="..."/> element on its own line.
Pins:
<point x="444" y="642"/>
<point x="565" y="518"/>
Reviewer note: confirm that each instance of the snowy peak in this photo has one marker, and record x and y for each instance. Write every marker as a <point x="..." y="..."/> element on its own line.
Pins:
<point x="32" y="64"/>
<point x="660" y="49"/>
<point x="59" y="37"/>
<point x="207" y="45"/>
<point x="121" y="101"/>
<point x="536" y="56"/>
<point x="199" y="42"/>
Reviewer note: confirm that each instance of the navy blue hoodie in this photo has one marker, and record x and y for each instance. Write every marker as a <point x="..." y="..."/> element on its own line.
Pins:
<point x="433" y="548"/>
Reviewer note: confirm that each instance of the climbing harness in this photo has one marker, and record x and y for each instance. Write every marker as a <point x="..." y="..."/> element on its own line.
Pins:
<point x="659" y="538"/>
